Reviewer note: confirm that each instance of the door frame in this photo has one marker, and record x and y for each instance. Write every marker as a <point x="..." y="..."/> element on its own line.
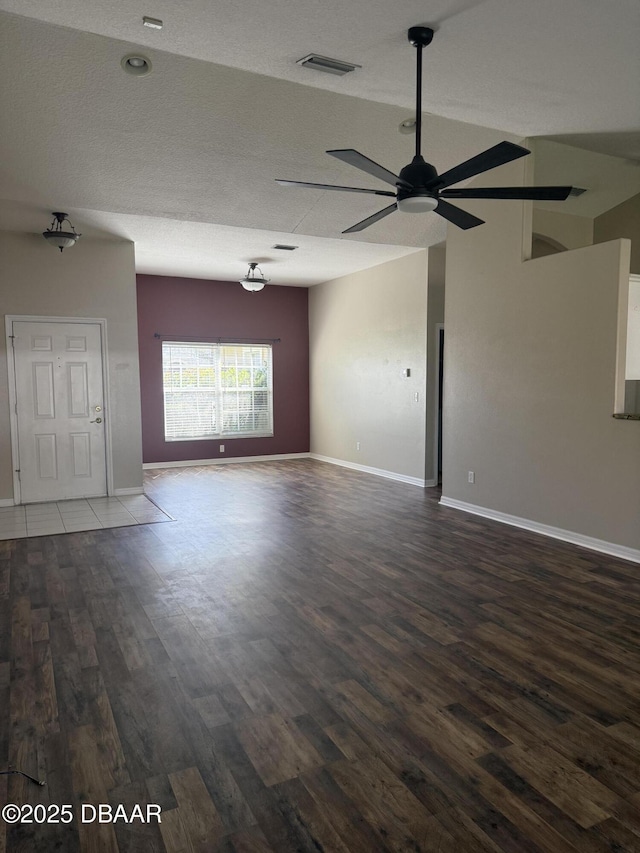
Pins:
<point x="10" y="319"/>
<point x="439" y="327"/>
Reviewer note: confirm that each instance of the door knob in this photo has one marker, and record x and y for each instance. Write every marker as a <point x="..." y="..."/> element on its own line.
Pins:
<point x="97" y="421"/>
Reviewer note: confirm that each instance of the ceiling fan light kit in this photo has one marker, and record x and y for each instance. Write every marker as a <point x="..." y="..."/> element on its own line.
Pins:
<point x="417" y="204"/>
<point x="419" y="188"/>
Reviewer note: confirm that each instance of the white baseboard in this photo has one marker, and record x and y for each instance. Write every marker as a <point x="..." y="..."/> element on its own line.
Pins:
<point x="430" y="484"/>
<point x="7" y="502"/>
<point x="367" y="469"/>
<point x="191" y="463"/>
<point x="589" y="542"/>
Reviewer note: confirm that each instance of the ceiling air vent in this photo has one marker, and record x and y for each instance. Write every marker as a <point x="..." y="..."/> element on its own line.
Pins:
<point x="283" y="247"/>
<point x="325" y="63"/>
<point x="576" y="191"/>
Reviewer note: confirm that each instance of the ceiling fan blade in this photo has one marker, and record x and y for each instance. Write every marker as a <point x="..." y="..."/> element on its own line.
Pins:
<point x="534" y="193"/>
<point x="355" y="158"/>
<point x="458" y="216"/>
<point x="501" y="153"/>
<point x="360" y="226"/>
<point x="284" y="183"/>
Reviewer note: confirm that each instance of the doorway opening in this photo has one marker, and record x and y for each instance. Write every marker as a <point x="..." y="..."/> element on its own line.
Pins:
<point x="437" y="453"/>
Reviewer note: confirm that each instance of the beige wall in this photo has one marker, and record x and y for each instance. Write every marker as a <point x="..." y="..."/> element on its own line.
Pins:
<point x="572" y="232"/>
<point x="621" y="221"/>
<point x="364" y="330"/>
<point x="530" y="364"/>
<point x="94" y="279"/>
<point x="435" y="315"/>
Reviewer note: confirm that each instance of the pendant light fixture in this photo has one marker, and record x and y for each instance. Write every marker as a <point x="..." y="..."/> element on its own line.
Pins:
<point x="56" y="236"/>
<point x="251" y="281"/>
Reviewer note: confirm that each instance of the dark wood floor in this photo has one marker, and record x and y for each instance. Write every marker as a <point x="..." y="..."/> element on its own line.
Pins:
<point x="312" y="659"/>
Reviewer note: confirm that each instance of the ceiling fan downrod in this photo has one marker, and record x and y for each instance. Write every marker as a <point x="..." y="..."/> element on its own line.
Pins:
<point x="419" y="188"/>
<point x="419" y="37"/>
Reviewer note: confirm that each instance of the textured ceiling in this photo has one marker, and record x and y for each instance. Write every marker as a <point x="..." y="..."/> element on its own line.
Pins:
<point x="531" y="68"/>
<point x="183" y="161"/>
<point x="608" y="181"/>
<point x="205" y="250"/>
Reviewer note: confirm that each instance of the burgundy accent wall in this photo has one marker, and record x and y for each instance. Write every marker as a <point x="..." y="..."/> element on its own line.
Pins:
<point x="193" y="309"/>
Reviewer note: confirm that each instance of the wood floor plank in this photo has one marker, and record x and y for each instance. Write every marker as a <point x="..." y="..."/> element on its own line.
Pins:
<point x="137" y="834"/>
<point x="106" y="730"/>
<point x="387" y="805"/>
<point x="307" y="825"/>
<point x="588" y="746"/>
<point x="214" y="762"/>
<point x="568" y="786"/>
<point x="583" y="840"/>
<point x="352" y="669"/>
<point x="277" y="748"/>
<point x="343" y="813"/>
<point x="198" y="815"/>
<point x="90" y="780"/>
<point x="174" y="834"/>
<point x="250" y="841"/>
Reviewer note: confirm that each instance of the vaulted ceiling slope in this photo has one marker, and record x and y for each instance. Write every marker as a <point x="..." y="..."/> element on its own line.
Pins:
<point x="531" y="68"/>
<point x="199" y="143"/>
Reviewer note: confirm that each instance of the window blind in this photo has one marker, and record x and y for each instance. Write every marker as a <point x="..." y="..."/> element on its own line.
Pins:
<point x="216" y="390"/>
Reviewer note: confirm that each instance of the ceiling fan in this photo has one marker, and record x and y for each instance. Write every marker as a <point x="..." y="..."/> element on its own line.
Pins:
<point x="419" y="188"/>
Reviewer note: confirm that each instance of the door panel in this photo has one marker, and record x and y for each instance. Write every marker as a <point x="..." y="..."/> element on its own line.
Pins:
<point x="59" y="395"/>
<point x="46" y="457"/>
<point x="77" y="390"/>
<point x="81" y="454"/>
<point x="44" y="406"/>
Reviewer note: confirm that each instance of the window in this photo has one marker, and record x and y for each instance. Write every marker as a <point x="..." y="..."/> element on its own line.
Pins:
<point x="213" y="390"/>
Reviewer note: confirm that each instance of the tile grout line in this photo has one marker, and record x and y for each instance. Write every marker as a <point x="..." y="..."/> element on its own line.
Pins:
<point x="49" y="519"/>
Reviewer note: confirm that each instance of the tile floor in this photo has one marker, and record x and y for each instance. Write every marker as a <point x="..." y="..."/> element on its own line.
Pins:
<point x="17" y="522"/>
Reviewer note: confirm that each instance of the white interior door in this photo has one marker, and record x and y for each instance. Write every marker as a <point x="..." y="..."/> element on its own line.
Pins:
<point x="59" y="410"/>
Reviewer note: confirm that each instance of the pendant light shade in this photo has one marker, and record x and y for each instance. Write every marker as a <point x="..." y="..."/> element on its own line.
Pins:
<point x="57" y="236"/>
<point x="251" y="281"/>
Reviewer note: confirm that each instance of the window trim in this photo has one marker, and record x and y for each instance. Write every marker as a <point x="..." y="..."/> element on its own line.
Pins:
<point x="222" y="434"/>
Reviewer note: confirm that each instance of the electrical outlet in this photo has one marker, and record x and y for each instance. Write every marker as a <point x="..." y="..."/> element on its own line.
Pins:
<point x="357" y="445"/>
<point x="471" y="477"/>
<point x="222" y="448"/>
